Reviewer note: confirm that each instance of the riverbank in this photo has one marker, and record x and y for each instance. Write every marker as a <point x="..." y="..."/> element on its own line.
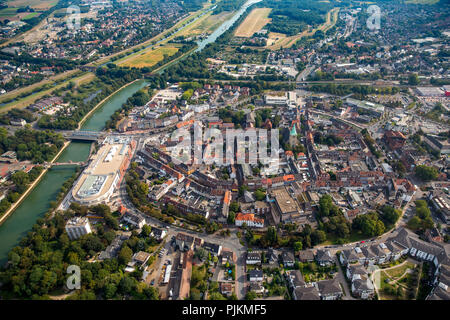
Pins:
<point x="30" y="187"/>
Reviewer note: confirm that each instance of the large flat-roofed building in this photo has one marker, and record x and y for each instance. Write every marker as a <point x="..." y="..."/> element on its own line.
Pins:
<point x="77" y="227"/>
<point x="430" y="91"/>
<point x="105" y="171"/>
<point x="286" y="205"/>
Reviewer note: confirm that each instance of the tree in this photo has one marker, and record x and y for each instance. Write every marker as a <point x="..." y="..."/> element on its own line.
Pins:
<point x="127" y="285"/>
<point x="146" y="230"/>
<point x="414" y="223"/>
<point x="20" y="180"/>
<point x="298" y="246"/>
<point x="325" y="205"/>
<point x="125" y="255"/>
<point x="231" y="217"/>
<point x="200" y="253"/>
<point x="271" y="235"/>
<point x="234" y="206"/>
<point x="318" y="236"/>
<point x="260" y="194"/>
<point x="390" y="214"/>
<point x="216" y="296"/>
<point x="413" y="79"/>
<point x="110" y="290"/>
<point x="251" y="295"/>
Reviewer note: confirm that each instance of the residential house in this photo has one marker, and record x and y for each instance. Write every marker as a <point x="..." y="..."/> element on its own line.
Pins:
<point x="330" y="289"/>
<point x="227" y="256"/>
<point x="288" y="259"/>
<point x="362" y="286"/>
<point x="324" y="258"/>
<point x="306" y="256"/>
<point x="256" y="287"/>
<point x="306" y="293"/>
<point x="226" y="288"/>
<point x="295" y="279"/>
<point x="158" y="233"/>
<point x="253" y="258"/>
<point x="255" y="275"/>
<point x="134" y="219"/>
<point x="141" y="258"/>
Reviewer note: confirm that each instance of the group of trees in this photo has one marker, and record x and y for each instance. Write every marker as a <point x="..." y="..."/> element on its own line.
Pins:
<point x="291" y="17"/>
<point x="34" y="145"/>
<point x="38" y="266"/>
<point x="233" y="210"/>
<point x="329" y="140"/>
<point x="360" y="91"/>
<point x="426" y="173"/>
<point x="371" y="224"/>
<point x="422" y="218"/>
<point x="371" y="144"/>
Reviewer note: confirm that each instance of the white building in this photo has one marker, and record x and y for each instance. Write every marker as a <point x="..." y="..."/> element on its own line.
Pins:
<point x="249" y="219"/>
<point x="76" y="227"/>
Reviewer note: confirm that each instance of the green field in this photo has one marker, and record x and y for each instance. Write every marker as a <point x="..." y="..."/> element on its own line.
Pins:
<point x="31" y="15"/>
<point x="149" y="58"/>
<point x="8" y="12"/>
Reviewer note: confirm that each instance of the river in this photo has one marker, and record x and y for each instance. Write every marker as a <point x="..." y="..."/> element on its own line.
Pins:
<point x="37" y="203"/>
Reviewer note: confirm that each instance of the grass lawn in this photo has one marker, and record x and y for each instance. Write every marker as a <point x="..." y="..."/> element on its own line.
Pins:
<point x="399" y="271"/>
<point x="403" y="282"/>
<point x="254" y="22"/>
<point x="354" y="237"/>
<point x="149" y="58"/>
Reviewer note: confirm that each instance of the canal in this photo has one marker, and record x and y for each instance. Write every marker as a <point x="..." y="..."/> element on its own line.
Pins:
<point x="38" y="201"/>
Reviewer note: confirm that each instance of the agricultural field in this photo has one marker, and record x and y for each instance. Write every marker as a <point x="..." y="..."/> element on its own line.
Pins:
<point x="254" y="22"/>
<point x="149" y="58"/>
<point x="278" y="40"/>
<point x="39" y="6"/>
